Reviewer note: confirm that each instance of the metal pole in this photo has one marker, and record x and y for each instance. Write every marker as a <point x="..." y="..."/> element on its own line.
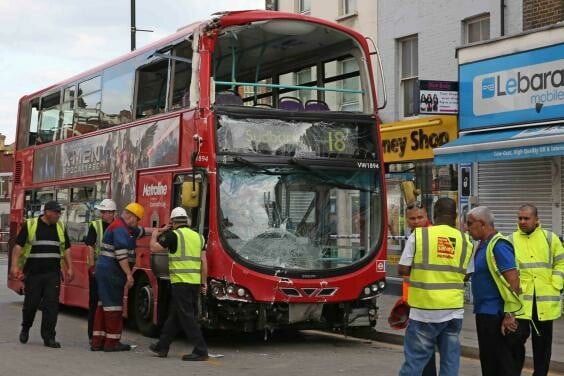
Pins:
<point x="132" y="25"/>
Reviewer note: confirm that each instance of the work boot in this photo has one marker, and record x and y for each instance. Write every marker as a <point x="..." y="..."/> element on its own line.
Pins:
<point x="52" y="343"/>
<point x="24" y="335"/>
<point x="118" y="347"/>
<point x="158" y="351"/>
<point x="195" y="357"/>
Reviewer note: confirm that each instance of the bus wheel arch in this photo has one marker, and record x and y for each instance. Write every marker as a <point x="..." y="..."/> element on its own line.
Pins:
<point x="141" y="306"/>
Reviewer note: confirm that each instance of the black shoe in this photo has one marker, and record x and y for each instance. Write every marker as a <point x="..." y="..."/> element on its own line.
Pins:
<point x="93" y="348"/>
<point x="24" y="335"/>
<point x="195" y="357"/>
<point x="158" y="351"/>
<point x="119" y="347"/>
<point x="52" y="343"/>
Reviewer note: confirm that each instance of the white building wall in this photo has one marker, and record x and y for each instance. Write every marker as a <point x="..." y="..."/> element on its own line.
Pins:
<point x="438" y="24"/>
<point x="439" y="27"/>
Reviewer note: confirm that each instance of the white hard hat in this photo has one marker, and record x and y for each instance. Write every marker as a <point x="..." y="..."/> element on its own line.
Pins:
<point x="107" y="205"/>
<point x="178" y="213"/>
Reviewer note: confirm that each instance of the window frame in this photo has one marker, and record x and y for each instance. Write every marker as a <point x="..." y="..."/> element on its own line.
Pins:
<point x="412" y="77"/>
<point x="348" y="7"/>
<point x="477" y="20"/>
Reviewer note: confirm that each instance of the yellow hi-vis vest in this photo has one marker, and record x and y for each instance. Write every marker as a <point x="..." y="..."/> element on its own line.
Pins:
<point x="31" y="230"/>
<point x="439" y="265"/>
<point x="511" y="301"/>
<point x="541" y="264"/>
<point x="185" y="264"/>
<point x="99" y="228"/>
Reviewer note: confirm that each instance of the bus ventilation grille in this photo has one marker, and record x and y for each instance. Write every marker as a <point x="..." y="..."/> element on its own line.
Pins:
<point x="309" y="291"/>
<point x="330" y="291"/>
<point x="18" y="173"/>
<point x="290" y="291"/>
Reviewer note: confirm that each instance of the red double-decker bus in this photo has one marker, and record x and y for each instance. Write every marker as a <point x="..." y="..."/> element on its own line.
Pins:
<point x="262" y="125"/>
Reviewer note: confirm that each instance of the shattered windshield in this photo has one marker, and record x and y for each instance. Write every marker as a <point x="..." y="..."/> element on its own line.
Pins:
<point x="299" y="218"/>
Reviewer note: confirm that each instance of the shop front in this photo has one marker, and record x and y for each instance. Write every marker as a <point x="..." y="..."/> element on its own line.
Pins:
<point x="511" y="142"/>
<point x="408" y="155"/>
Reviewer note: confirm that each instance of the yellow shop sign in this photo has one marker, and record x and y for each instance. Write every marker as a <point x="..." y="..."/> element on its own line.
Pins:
<point x="415" y="139"/>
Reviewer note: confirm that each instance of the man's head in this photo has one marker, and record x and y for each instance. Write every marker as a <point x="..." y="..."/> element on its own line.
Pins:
<point x="480" y="223"/>
<point x="528" y="219"/>
<point x="444" y="212"/>
<point x="107" y="208"/>
<point x="416" y="216"/>
<point x="179" y="217"/>
<point x="132" y="214"/>
<point x="52" y="212"/>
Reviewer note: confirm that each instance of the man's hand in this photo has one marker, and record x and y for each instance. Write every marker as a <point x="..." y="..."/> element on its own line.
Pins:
<point x="130" y="282"/>
<point x="204" y="288"/>
<point x="509" y="324"/>
<point x="16" y="273"/>
<point x="70" y="275"/>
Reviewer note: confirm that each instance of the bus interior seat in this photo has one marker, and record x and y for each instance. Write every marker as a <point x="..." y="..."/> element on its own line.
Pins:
<point x="290" y="104"/>
<point x="228" y="98"/>
<point x="316" y="105"/>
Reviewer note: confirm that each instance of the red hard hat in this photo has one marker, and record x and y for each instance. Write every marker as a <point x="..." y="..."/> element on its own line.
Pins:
<point x="399" y="316"/>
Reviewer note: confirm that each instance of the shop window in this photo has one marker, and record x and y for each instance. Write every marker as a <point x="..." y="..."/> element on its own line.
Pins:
<point x="409" y="72"/>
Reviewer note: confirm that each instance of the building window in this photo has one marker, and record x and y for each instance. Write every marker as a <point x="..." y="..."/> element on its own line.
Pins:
<point x="348" y="7"/>
<point x="408" y="74"/>
<point x="304" y="6"/>
<point x="477" y="29"/>
<point x="350" y="101"/>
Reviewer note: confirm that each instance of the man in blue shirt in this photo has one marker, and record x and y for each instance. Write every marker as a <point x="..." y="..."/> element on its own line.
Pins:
<point x="498" y="337"/>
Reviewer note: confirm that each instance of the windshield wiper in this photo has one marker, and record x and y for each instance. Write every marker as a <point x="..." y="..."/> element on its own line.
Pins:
<point x="327" y="179"/>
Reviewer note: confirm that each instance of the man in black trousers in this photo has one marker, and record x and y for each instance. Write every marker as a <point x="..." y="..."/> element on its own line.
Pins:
<point x="188" y="271"/>
<point x="40" y="245"/>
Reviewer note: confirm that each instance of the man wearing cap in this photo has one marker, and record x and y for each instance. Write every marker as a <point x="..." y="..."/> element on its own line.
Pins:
<point x="40" y="245"/>
<point x="188" y="275"/>
<point x="93" y="240"/>
<point x="113" y="274"/>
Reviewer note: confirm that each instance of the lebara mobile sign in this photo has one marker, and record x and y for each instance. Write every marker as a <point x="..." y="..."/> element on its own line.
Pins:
<point x="527" y="87"/>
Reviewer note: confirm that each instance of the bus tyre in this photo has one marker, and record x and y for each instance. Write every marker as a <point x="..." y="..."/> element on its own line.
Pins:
<point x="142" y="309"/>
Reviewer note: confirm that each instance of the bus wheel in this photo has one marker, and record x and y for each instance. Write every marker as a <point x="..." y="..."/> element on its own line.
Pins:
<point x="143" y="307"/>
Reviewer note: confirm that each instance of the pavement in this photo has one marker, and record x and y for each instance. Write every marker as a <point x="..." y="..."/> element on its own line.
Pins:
<point x="468" y="337"/>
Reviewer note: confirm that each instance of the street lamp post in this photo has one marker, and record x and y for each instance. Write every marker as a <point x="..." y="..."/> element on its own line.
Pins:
<point x="134" y="29"/>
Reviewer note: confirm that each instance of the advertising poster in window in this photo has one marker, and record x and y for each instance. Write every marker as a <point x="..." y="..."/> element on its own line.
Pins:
<point x="120" y="153"/>
<point x="438" y="97"/>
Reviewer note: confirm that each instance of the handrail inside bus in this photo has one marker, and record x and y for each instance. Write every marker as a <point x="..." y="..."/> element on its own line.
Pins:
<point x="280" y="86"/>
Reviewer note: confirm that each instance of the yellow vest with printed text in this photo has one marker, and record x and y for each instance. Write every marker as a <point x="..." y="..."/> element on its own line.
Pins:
<point x="511" y="301"/>
<point x="439" y="265"/>
<point x="540" y="257"/>
<point x="185" y="264"/>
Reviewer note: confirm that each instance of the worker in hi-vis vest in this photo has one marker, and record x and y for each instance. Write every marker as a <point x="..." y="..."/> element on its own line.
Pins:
<point x="495" y="289"/>
<point x="437" y="268"/>
<point x="40" y="246"/>
<point x="188" y="270"/>
<point x="540" y="258"/>
<point x="93" y="240"/>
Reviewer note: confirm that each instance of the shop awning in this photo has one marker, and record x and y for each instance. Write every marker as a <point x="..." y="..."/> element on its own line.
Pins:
<point x="503" y="145"/>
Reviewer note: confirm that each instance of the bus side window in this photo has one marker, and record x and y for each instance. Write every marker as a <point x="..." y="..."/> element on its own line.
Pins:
<point x="152" y="89"/>
<point x="49" y="119"/>
<point x="88" y="105"/>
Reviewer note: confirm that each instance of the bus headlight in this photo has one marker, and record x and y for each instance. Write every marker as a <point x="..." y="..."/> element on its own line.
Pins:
<point x="373" y="289"/>
<point x="229" y="291"/>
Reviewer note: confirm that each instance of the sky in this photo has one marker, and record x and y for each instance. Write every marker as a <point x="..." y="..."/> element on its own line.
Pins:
<point x="44" y="42"/>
